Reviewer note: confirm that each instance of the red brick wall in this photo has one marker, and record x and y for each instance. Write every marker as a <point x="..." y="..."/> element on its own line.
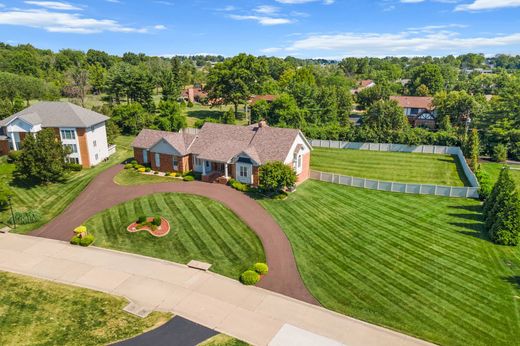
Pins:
<point x="166" y="164"/>
<point x="256" y="175"/>
<point x="306" y="168"/>
<point x="4" y="147"/>
<point x="138" y="156"/>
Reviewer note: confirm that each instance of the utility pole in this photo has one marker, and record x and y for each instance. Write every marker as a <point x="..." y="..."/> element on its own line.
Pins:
<point x="9" y="198"/>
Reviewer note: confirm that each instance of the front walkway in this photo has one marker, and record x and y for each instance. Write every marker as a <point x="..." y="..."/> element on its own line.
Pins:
<point x="251" y="314"/>
<point x="102" y="193"/>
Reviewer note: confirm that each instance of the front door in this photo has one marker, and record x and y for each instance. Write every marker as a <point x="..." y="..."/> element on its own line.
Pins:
<point x="244" y="173"/>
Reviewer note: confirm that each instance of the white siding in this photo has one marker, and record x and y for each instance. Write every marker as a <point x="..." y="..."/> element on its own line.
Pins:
<point x="299" y="140"/>
<point x="18" y="125"/>
<point x="164" y="148"/>
<point x="97" y="143"/>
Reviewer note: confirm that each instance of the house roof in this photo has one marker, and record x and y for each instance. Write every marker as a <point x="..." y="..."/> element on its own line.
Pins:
<point x="57" y="114"/>
<point x="222" y="143"/>
<point x="255" y="98"/>
<point x="423" y="102"/>
<point x="147" y="138"/>
<point x="366" y="82"/>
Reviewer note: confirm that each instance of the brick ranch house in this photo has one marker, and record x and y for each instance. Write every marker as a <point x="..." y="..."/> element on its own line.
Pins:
<point x="220" y="152"/>
<point x="80" y="129"/>
<point x="419" y="110"/>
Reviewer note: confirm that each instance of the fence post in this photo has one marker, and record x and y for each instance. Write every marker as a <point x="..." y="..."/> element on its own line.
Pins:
<point x="365" y="183"/>
<point x="451" y="189"/>
<point x="435" y="190"/>
<point x="333" y="178"/>
<point x="321" y="176"/>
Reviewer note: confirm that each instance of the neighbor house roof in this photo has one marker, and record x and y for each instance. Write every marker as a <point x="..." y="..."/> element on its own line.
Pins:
<point x="222" y="143"/>
<point x="255" y="98"/>
<point x="366" y="83"/>
<point x="148" y="138"/>
<point x="424" y="102"/>
<point x="56" y="114"/>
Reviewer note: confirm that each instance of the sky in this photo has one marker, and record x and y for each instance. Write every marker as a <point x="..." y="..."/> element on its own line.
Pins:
<point x="330" y="29"/>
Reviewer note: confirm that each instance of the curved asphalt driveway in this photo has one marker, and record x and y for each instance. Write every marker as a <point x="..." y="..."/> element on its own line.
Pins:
<point x="102" y="193"/>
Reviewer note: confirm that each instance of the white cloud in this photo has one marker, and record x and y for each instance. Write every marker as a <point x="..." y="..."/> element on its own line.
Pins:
<point x="298" y="2"/>
<point x="54" y="5"/>
<point x="63" y="22"/>
<point x="263" y="20"/>
<point x="159" y="27"/>
<point x="399" y="44"/>
<point x="479" y="5"/>
<point x="266" y="9"/>
<point x="411" y="1"/>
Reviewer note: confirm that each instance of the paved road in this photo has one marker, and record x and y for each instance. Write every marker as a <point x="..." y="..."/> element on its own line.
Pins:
<point x="176" y="332"/>
<point x="248" y="313"/>
<point x="102" y="193"/>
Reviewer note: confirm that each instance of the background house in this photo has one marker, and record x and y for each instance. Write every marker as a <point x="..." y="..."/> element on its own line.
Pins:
<point x="220" y="152"/>
<point x="419" y="110"/>
<point x="81" y="130"/>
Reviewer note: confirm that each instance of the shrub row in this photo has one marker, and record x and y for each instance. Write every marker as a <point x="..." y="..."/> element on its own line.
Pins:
<point x="83" y="241"/>
<point x="26" y="217"/>
<point x="238" y="185"/>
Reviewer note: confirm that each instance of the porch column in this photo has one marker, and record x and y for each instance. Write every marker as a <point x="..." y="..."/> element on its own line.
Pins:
<point x="203" y="167"/>
<point x="13" y="141"/>
<point x="226" y="170"/>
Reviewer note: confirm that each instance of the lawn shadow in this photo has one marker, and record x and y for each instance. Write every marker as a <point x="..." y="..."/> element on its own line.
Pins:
<point x="513" y="280"/>
<point x="471" y="222"/>
<point x="460" y="171"/>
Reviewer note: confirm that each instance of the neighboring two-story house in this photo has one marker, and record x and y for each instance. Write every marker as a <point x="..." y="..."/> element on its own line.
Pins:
<point x="221" y="152"/>
<point x="83" y="131"/>
<point x="419" y="110"/>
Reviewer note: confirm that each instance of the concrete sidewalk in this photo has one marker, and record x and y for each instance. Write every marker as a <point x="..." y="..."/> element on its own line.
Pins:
<point x="251" y="314"/>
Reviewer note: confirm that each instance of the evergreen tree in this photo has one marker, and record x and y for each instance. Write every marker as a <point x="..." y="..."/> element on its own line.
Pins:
<point x="502" y="211"/>
<point x="472" y="149"/>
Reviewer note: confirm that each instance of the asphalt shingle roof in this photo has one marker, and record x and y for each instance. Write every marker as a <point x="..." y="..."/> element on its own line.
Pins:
<point x="57" y="114"/>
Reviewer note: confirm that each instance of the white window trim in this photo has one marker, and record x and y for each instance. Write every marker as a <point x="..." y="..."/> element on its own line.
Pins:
<point x="157" y="160"/>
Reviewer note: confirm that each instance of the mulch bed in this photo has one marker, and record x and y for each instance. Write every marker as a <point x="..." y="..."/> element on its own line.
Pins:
<point x="160" y="231"/>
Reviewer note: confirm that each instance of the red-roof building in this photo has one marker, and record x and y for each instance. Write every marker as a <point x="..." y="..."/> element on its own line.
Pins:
<point x="268" y="98"/>
<point x="419" y="110"/>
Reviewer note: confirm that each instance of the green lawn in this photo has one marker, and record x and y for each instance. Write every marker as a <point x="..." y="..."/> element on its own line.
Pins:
<point x="202" y="229"/>
<point x="417" y="264"/>
<point x="52" y="199"/>
<point x="390" y="166"/>
<point x="493" y="169"/>
<point x="38" y="312"/>
<point x="199" y="111"/>
<point x="223" y="340"/>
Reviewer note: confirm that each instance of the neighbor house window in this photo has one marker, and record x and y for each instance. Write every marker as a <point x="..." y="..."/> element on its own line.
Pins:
<point x="175" y="164"/>
<point x="72" y="160"/>
<point x="97" y="156"/>
<point x="68" y="134"/>
<point x="95" y="143"/>
<point x="73" y="148"/>
<point x="158" y="160"/>
<point x="198" y="162"/>
<point x="244" y="172"/>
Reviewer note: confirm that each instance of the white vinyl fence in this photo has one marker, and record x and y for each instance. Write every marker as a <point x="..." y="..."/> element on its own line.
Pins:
<point x="423" y="189"/>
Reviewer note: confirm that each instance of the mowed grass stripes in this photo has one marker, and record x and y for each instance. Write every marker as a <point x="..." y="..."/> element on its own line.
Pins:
<point x="390" y="166"/>
<point x="417" y="264"/>
<point x="201" y="229"/>
<point x="51" y="199"/>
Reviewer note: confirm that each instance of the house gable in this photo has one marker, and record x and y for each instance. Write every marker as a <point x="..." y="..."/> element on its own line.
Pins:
<point x="300" y="140"/>
<point x="163" y="147"/>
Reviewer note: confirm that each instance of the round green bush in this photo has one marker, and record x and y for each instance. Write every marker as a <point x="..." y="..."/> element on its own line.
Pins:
<point x="87" y="240"/>
<point x="261" y="268"/>
<point x="128" y="166"/>
<point x="156" y="172"/>
<point x="133" y="162"/>
<point x="75" y="240"/>
<point x="188" y="178"/>
<point x="141" y="219"/>
<point x="249" y="277"/>
<point x="156" y="221"/>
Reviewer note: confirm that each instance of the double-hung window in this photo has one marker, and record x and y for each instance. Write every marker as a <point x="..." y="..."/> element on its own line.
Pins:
<point x="68" y="134"/>
<point x="244" y="172"/>
<point x="73" y="148"/>
<point x="175" y="164"/>
<point x="157" y="160"/>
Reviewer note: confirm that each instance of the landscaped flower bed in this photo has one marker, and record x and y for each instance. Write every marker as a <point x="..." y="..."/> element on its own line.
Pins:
<point x="151" y="225"/>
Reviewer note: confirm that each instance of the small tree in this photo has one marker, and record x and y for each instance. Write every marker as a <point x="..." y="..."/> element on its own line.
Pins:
<point x="499" y="153"/>
<point x="4" y="193"/>
<point x="229" y="117"/>
<point x="276" y="176"/>
<point x="472" y="149"/>
<point x="42" y="159"/>
<point x="502" y="211"/>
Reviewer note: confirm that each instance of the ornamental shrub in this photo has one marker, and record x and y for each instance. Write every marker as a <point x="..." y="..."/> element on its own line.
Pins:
<point x="486" y="185"/>
<point x="148" y="169"/>
<point x="141" y="170"/>
<point x="172" y="174"/>
<point x="238" y="185"/>
<point x="133" y="162"/>
<point x="141" y="219"/>
<point x="26" y="217"/>
<point x="75" y="240"/>
<point x="128" y="166"/>
<point x="156" y="221"/>
<point x="156" y="172"/>
<point x="80" y="229"/>
<point x="75" y="167"/>
<point x="13" y="156"/>
<point x="249" y="277"/>
<point x="261" y="268"/>
<point x="87" y="240"/>
<point x="189" y="178"/>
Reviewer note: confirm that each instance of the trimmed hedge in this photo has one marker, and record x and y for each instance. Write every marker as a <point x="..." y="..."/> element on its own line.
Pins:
<point x="189" y="178"/>
<point x="142" y="169"/>
<point x="75" y="167"/>
<point x="261" y="268"/>
<point x="148" y="169"/>
<point x="129" y="166"/>
<point x="249" y="277"/>
<point x="87" y="240"/>
<point x="75" y="240"/>
<point x="238" y="185"/>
